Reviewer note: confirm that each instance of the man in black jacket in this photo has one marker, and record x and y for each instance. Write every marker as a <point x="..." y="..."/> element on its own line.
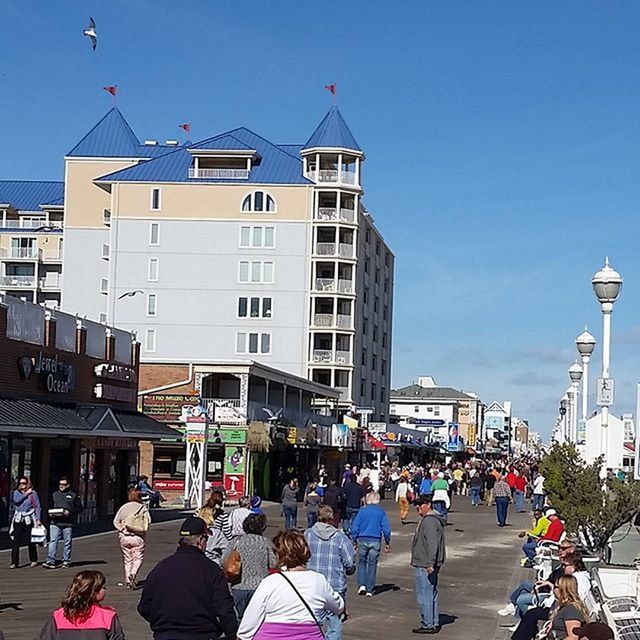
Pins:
<point x="352" y="495"/>
<point x="66" y="507"/>
<point x="186" y="596"/>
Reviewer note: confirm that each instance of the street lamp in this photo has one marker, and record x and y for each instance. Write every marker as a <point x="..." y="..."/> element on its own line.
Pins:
<point x="586" y="343"/>
<point x="575" y="375"/>
<point x="563" y="416"/>
<point x="606" y="285"/>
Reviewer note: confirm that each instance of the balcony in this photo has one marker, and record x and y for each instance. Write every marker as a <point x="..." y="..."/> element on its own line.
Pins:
<point x="332" y="176"/>
<point x="329" y="320"/>
<point x="20" y="253"/>
<point x="51" y="282"/>
<point x="220" y="174"/>
<point x="17" y="282"/>
<point x="342" y="250"/>
<point x="346" y="250"/>
<point x="328" y="356"/>
<point x="30" y="225"/>
<point x="331" y="214"/>
<point x="330" y="285"/>
<point x="52" y="256"/>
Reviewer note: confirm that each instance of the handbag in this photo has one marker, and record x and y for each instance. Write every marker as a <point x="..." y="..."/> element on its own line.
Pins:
<point x="137" y="522"/>
<point x="305" y="603"/>
<point x="233" y="567"/>
<point x="39" y="534"/>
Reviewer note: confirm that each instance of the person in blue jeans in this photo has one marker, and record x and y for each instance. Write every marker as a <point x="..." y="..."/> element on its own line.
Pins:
<point x="475" y="486"/>
<point x="352" y="495"/>
<point x="66" y="507"/>
<point x="427" y="558"/>
<point x="370" y="526"/>
<point x="289" y="500"/>
<point x="502" y="497"/>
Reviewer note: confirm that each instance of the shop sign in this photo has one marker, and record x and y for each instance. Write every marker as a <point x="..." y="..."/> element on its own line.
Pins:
<point x="377" y="428"/>
<point x="228" y="436"/>
<point x="169" y="408"/>
<point x="471" y="434"/>
<point x="234" y="471"/>
<point x="225" y="413"/>
<point x="427" y="422"/>
<point x="57" y="376"/>
<point x="112" y="371"/>
<point x="453" y="441"/>
<point x="196" y="431"/>
<point x="341" y="435"/>
<point x="117" y="394"/>
<point x="292" y="435"/>
<point x="168" y="485"/>
<point x="104" y="442"/>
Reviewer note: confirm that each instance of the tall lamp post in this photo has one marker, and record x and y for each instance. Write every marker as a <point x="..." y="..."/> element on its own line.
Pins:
<point x="586" y="343"/>
<point x="563" y="417"/>
<point x="575" y="375"/>
<point x="606" y="285"/>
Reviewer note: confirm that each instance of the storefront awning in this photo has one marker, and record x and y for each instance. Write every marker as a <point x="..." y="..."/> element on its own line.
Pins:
<point x="39" y="418"/>
<point x="375" y="443"/>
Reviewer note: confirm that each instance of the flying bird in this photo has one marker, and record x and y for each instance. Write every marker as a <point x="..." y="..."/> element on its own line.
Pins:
<point x="273" y="417"/>
<point x="130" y="294"/>
<point x="90" y="32"/>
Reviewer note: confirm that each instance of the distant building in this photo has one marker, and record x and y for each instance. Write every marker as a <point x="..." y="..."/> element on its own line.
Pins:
<point x="496" y="429"/>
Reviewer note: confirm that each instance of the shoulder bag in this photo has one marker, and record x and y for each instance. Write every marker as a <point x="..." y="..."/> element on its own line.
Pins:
<point x="304" y="602"/>
<point x="233" y="567"/>
<point x="137" y="523"/>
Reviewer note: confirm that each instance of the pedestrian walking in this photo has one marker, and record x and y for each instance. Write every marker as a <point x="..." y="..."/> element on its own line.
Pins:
<point x="132" y="522"/>
<point x="219" y="528"/>
<point x="489" y="484"/>
<point x="519" y="492"/>
<point x="475" y="486"/>
<point x="333" y="556"/>
<point x="441" y="500"/>
<point x="82" y="615"/>
<point x="538" y="492"/>
<point x="427" y="557"/>
<point x="502" y="497"/>
<point x="289" y="605"/>
<point x="403" y="497"/>
<point x="289" y="499"/>
<point x="238" y="516"/>
<point x="352" y="495"/>
<point x="312" y="502"/>
<point x="66" y="508"/>
<point x="186" y="595"/>
<point x="370" y="526"/>
<point x="256" y="558"/>
<point x="26" y="516"/>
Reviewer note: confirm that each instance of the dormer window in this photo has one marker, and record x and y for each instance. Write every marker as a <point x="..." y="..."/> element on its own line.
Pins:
<point x="259" y="201"/>
<point x="222" y="163"/>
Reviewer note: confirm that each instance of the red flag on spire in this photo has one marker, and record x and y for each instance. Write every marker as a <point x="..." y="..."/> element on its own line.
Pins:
<point x="112" y="90"/>
<point x="331" y="87"/>
<point x="186" y="126"/>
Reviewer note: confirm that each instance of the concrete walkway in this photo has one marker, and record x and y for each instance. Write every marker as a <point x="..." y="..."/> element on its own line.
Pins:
<point x="481" y="567"/>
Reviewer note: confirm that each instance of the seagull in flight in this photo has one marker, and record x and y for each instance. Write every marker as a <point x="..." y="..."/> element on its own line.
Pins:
<point x="90" y="32"/>
<point x="273" y="417"/>
<point x="130" y="294"/>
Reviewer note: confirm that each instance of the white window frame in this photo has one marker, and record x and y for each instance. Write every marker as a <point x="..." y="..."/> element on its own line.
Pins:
<point x="102" y="318"/>
<point x="251" y="196"/>
<point x="150" y="338"/>
<point x="252" y="237"/>
<point x="106" y="217"/>
<point x="151" y="227"/>
<point x="104" y="285"/>
<point x="261" y="315"/>
<point x="157" y="264"/>
<point x="247" y="339"/>
<point x="152" y="313"/>
<point x="261" y="279"/>
<point x="106" y="251"/>
<point x="153" y="191"/>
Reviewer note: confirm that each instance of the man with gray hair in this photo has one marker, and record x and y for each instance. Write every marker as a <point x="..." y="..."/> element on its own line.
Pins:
<point x="333" y="556"/>
<point x="369" y="527"/>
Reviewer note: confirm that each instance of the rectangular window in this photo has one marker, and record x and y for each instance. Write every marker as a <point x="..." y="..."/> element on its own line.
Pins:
<point x="152" y="304"/>
<point x="102" y="318"/>
<point x="150" y="340"/>
<point x="153" y="270"/>
<point x="106" y="217"/>
<point x="363" y="387"/>
<point x="267" y="275"/>
<point x="105" y="251"/>
<point x="255" y="271"/>
<point x="242" y="307"/>
<point x="257" y="237"/>
<point x="374" y="363"/>
<point x="245" y="236"/>
<point x="255" y="307"/>
<point x="155" y="199"/>
<point x="154" y="233"/>
<point x="265" y="343"/>
<point x="416" y="409"/>
<point x="436" y="411"/>
<point x="269" y="237"/>
<point x="258" y="202"/>
<point x="241" y="342"/>
<point x="104" y="285"/>
<point x="243" y="275"/>
<point x="253" y="343"/>
<point x="266" y="307"/>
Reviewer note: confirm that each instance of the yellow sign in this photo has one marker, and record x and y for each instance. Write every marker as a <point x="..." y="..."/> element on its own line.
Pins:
<point x="471" y="435"/>
<point x="352" y="423"/>
<point x="292" y="435"/>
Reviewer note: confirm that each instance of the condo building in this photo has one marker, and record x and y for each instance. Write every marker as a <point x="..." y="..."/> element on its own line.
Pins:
<point x="230" y="248"/>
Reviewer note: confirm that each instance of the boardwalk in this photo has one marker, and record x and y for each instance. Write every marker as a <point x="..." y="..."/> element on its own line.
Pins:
<point x="481" y="565"/>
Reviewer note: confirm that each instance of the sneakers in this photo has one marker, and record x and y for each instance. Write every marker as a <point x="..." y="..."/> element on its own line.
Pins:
<point x="13" y="566"/>
<point x="49" y="565"/>
<point x="426" y="630"/>
<point x="66" y="565"/>
<point x="369" y="594"/>
<point x="33" y="564"/>
<point x="362" y="590"/>
<point x="509" y="610"/>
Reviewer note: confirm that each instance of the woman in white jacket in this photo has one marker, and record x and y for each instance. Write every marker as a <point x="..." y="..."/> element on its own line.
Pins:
<point x="290" y="604"/>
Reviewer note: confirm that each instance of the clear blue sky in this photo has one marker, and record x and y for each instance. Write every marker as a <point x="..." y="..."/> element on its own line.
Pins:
<point x="501" y="138"/>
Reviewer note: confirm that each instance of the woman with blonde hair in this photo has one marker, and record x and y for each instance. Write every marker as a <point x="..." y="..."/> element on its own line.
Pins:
<point x="81" y="613"/>
<point x="132" y="522"/>
<point x="290" y="604"/>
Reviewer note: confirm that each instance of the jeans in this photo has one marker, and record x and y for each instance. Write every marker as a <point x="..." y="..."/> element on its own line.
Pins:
<point x="368" y="554"/>
<point x="538" y="501"/>
<point x="519" y="499"/>
<point x="441" y="508"/>
<point x="241" y="598"/>
<point x="502" y="506"/>
<point x="56" y="532"/>
<point x="334" y="623"/>
<point x="529" y="548"/>
<point x="348" y="521"/>
<point x="524" y="589"/>
<point x="312" y="518"/>
<point x="427" y="597"/>
<point x="290" y="517"/>
<point x="528" y="627"/>
<point x="475" y="495"/>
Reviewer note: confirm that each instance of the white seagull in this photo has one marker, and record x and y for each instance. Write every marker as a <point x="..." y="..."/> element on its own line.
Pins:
<point x="90" y="32"/>
<point x="273" y="417"/>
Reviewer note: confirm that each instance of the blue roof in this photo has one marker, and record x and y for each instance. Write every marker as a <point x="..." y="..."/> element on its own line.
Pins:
<point x="28" y="195"/>
<point x="112" y="137"/>
<point x="332" y="132"/>
<point x="292" y="149"/>
<point x="274" y="166"/>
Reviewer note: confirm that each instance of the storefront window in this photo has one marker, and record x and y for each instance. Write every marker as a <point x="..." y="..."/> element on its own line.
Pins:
<point x="21" y="449"/>
<point x="5" y="482"/>
<point x="88" y="485"/>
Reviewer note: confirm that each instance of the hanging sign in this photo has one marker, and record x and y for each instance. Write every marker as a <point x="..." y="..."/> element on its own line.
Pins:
<point x="604" y="392"/>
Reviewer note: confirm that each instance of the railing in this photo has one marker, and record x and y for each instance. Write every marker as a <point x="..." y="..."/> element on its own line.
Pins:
<point x="323" y="320"/>
<point x="325" y="284"/>
<point x="348" y="215"/>
<point x="17" y="281"/>
<point x="344" y="392"/>
<point x="52" y="256"/>
<point x="225" y="410"/>
<point x="50" y="282"/>
<point x="20" y="253"/>
<point x="31" y="224"/>
<point x="332" y="175"/>
<point x="232" y="174"/>
<point x="345" y="286"/>
<point x="325" y="248"/>
<point x="322" y="356"/>
<point x="343" y="357"/>
<point x="345" y="250"/>
<point x="334" y="215"/>
<point x="300" y="418"/>
<point x="343" y="322"/>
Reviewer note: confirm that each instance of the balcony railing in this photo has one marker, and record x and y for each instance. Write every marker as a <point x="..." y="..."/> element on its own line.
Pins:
<point x="330" y="285"/>
<point x="300" y="418"/>
<point x="225" y="410"/>
<point x="326" y="248"/>
<point x="329" y="320"/>
<point x="18" y="282"/>
<point x="343" y="322"/>
<point x="229" y="174"/>
<point x="20" y="253"/>
<point x="52" y="225"/>
<point x="345" y="286"/>
<point x="345" y="250"/>
<point x="344" y="393"/>
<point x="343" y="357"/>
<point x="50" y="282"/>
<point x="328" y="356"/>
<point x="333" y="176"/>
<point x="331" y="214"/>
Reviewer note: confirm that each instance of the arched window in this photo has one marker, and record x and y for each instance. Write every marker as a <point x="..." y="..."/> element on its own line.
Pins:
<point x="258" y="201"/>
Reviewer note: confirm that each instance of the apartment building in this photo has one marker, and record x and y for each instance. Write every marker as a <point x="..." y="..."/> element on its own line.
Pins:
<point x="31" y="236"/>
<point x="234" y="247"/>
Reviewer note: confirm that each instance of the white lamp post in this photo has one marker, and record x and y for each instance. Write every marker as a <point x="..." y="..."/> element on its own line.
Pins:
<point x="586" y="343"/>
<point x="575" y="375"/>
<point x="606" y="285"/>
<point x="563" y="414"/>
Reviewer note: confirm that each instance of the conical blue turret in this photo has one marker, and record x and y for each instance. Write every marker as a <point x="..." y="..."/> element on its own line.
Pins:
<point x="332" y="133"/>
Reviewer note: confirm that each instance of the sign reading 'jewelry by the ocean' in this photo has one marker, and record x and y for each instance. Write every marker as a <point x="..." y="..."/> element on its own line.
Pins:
<point x="57" y="376"/>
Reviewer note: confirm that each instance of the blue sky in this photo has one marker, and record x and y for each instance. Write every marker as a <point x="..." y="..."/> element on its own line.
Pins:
<point x="501" y="137"/>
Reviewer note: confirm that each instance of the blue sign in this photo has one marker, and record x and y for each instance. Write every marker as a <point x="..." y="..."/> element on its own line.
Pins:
<point x="427" y="422"/>
<point x="453" y="439"/>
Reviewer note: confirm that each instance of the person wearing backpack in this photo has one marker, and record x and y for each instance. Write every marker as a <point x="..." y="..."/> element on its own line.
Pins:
<point x="132" y="522"/>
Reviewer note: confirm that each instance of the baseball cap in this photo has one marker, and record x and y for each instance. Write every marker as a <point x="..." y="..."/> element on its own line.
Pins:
<point x="550" y="512"/>
<point x="595" y="631"/>
<point x="194" y="526"/>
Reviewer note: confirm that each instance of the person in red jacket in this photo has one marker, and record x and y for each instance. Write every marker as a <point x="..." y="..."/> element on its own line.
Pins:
<point x="553" y="534"/>
<point x="511" y="479"/>
<point x="519" y="488"/>
<point x="81" y="615"/>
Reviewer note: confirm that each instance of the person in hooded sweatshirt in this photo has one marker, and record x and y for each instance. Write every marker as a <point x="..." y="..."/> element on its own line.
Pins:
<point x="333" y="556"/>
<point x="427" y="557"/>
